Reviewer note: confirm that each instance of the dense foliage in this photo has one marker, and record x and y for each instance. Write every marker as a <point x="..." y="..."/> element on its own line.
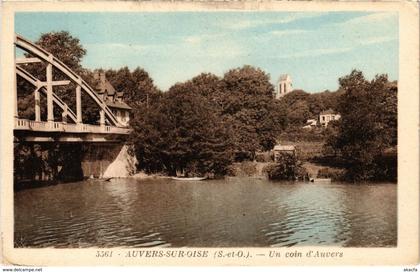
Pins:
<point x="302" y="106"/>
<point x="180" y="133"/>
<point x="366" y="136"/>
<point x="249" y="107"/>
<point x="137" y="85"/>
<point x="202" y="125"/>
<point x="65" y="47"/>
<point x="287" y="168"/>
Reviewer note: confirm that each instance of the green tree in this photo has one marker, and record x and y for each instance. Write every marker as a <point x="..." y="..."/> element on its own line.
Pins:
<point x="315" y="105"/>
<point x="247" y="103"/>
<point x="65" y="47"/>
<point x="297" y="105"/>
<point x="181" y="132"/>
<point x="210" y="87"/>
<point x="149" y="138"/>
<point x="368" y="125"/>
<point x="138" y="86"/>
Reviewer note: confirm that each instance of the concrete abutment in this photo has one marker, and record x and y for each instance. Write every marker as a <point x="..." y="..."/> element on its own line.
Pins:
<point x="50" y="161"/>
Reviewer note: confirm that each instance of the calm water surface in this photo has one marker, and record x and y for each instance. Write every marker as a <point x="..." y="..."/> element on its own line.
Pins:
<point x="217" y="213"/>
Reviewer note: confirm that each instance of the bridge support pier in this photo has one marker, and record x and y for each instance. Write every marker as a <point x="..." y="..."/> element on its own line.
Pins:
<point x="52" y="161"/>
<point x="107" y="160"/>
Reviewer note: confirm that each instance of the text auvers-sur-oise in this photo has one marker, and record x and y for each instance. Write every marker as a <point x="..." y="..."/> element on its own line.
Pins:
<point x="167" y="253"/>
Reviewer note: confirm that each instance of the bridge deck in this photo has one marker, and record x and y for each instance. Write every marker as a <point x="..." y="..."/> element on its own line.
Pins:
<point x="30" y="125"/>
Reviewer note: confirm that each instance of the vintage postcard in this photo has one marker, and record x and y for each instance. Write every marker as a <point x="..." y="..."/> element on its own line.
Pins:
<point x="210" y="133"/>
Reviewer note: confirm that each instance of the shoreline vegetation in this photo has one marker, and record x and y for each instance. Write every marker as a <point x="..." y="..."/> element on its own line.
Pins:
<point x="222" y="126"/>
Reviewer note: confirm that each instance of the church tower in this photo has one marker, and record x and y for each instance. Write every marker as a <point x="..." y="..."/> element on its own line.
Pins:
<point x="284" y="86"/>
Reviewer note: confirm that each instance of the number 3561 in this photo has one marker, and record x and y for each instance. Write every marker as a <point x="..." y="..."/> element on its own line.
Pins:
<point x="103" y="253"/>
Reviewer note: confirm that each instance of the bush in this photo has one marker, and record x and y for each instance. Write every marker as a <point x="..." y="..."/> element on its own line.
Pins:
<point x="264" y="157"/>
<point x="287" y="168"/>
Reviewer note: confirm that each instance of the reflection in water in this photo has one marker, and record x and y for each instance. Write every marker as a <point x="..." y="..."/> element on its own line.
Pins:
<point x="217" y="213"/>
<point x="322" y="208"/>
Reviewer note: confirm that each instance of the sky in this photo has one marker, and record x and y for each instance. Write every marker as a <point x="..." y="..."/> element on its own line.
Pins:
<point x="315" y="49"/>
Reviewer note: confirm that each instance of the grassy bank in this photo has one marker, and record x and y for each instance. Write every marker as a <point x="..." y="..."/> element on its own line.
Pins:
<point x="307" y="150"/>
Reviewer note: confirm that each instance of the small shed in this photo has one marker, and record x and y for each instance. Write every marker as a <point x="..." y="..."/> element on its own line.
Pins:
<point x="283" y="149"/>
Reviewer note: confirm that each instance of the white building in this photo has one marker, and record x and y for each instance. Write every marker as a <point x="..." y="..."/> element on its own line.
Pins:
<point x="327" y="116"/>
<point x="284" y="85"/>
<point x="310" y="123"/>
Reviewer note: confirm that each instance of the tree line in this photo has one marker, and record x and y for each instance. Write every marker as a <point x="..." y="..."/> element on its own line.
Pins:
<point x="201" y="126"/>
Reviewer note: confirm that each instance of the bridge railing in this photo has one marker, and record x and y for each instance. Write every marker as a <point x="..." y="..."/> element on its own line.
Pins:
<point x="21" y="124"/>
<point x="25" y="124"/>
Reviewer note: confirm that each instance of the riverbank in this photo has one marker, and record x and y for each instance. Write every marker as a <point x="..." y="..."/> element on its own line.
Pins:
<point x="143" y="175"/>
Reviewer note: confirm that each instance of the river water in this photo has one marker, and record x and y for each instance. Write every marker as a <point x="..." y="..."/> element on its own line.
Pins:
<point x="217" y="213"/>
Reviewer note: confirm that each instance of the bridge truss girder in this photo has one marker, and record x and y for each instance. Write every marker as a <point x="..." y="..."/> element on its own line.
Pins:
<point x="47" y="87"/>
